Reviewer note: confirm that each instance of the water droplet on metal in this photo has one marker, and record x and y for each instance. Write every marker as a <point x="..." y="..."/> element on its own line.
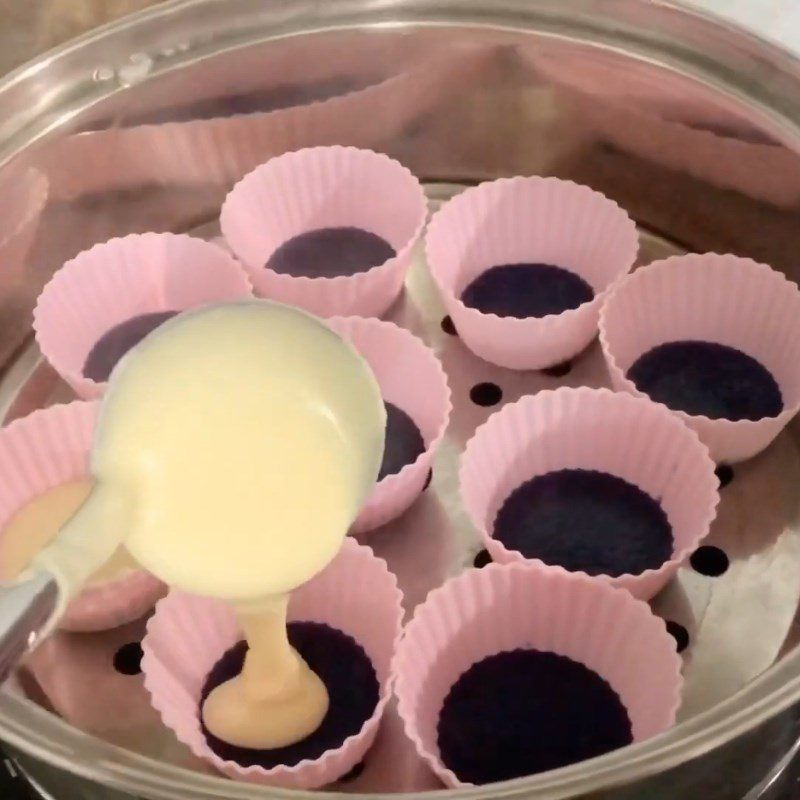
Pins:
<point x="103" y="74"/>
<point x="136" y="70"/>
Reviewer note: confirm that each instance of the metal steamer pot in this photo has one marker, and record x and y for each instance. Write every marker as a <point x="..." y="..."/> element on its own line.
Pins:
<point x="688" y="122"/>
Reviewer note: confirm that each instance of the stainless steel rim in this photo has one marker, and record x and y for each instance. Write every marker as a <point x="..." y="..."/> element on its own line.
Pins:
<point x="730" y="60"/>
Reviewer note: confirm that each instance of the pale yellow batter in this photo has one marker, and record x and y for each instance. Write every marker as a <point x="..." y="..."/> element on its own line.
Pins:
<point x="275" y="682"/>
<point x="234" y="448"/>
<point x="37" y="523"/>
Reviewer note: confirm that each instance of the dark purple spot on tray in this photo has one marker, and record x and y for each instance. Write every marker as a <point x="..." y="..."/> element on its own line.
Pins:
<point x="679" y="634"/>
<point x="558" y="370"/>
<point x="128" y="659"/>
<point x="725" y="475"/>
<point x="486" y="394"/>
<point x="710" y="561"/>
<point x="448" y="326"/>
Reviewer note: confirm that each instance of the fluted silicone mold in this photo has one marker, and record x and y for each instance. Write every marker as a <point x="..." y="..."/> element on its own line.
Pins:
<point x="505" y="607"/>
<point x="401" y="364"/>
<point x="326" y="187"/>
<point x="208" y="144"/>
<point x="595" y="429"/>
<point x="673" y="122"/>
<point x="41" y="451"/>
<point x="518" y="220"/>
<point x="120" y="279"/>
<point x="755" y="166"/>
<point x="714" y="298"/>
<point x="187" y="635"/>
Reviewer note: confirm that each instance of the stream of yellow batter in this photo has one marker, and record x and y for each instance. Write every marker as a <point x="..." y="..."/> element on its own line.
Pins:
<point x="234" y="448"/>
<point x="276" y="700"/>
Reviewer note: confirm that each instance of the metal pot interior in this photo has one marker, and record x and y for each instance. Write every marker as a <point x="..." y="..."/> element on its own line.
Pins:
<point x="691" y="125"/>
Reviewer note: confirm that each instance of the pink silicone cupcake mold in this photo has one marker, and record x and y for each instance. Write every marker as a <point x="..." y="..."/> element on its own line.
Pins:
<point x="121" y="279"/>
<point x="593" y="429"/>
<point x="670" y="121"/>
<point x="41" y="451"/>
<point x="401" y="364"/>
<point x="601" y="74"/>
<point x="529" y="220"/>
<point x="723" y="157"/>
<point x="324" y="187"/>
<point x="722" y="299"/>
<point x="213" y="147"/>
<point x="356" y="594"/>
<point x="502" y="608"/>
